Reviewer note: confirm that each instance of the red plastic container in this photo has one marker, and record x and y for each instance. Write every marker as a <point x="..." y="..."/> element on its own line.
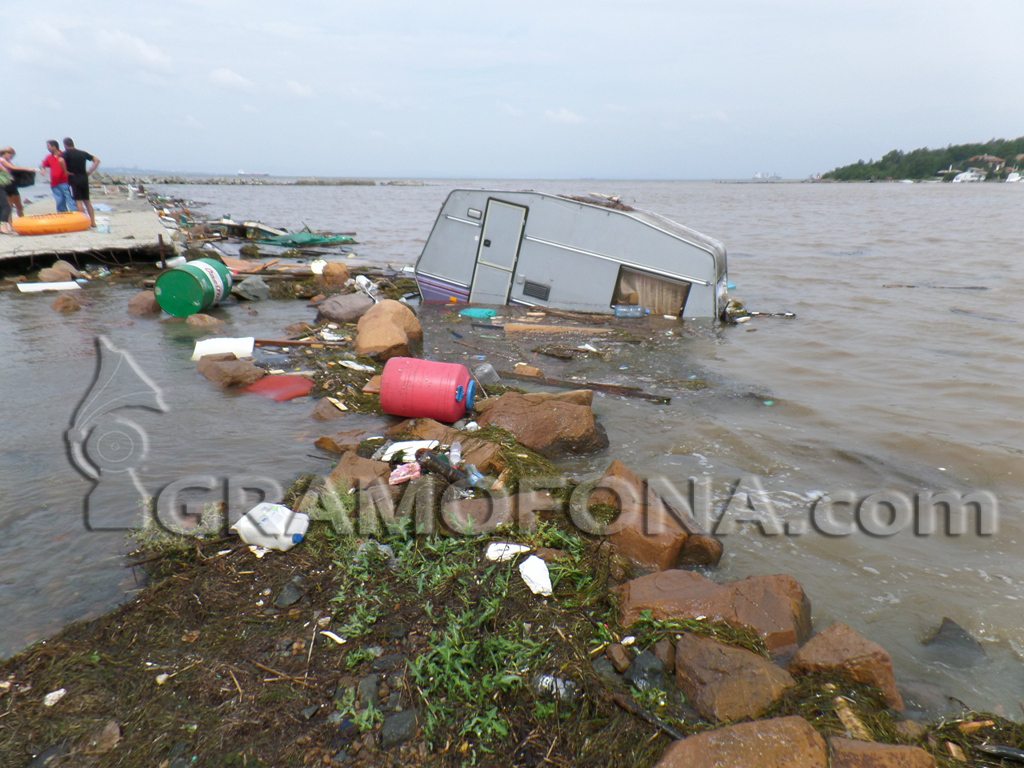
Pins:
<point x="416" y="388"/>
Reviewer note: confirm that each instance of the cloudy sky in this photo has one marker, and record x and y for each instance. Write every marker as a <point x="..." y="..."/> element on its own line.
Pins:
<point x="618" y="89"/>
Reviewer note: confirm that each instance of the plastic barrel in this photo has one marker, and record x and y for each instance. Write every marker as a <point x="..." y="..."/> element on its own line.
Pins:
<point x="192" y="287"/>
<point x="416" y="388"/>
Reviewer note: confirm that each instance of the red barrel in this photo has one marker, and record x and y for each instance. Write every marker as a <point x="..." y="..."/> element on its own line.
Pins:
<point x="425" y="389"/>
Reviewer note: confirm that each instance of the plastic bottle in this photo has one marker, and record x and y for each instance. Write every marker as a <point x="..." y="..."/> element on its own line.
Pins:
<point x="272" y="526"/>
<point x="455" y="453"/>
<point x="630" y="310"/>
<point x="486" y="374"/>
<point x="476" y="479"/>
<point x="435" y="464"/>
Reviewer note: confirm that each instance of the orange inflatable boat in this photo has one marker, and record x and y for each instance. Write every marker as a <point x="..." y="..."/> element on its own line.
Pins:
<point x="50" y="223"/>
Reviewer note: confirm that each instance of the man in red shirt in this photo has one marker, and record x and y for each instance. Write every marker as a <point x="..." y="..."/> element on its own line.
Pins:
<point x="58" y="178"/>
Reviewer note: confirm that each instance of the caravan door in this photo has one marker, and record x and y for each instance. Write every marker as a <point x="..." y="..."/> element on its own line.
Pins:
<point x="496" y="255"/>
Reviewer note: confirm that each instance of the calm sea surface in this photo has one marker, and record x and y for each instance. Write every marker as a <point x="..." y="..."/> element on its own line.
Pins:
<point x="901" y="375"/>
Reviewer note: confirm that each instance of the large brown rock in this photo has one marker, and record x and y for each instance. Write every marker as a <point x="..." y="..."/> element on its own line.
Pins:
<point x="61" y="272"/>
<point x="724" y="683"/>
<point x="387" y="329"/>
<point x="553" y="428"/>
<point x="335" y="273"/>
<point x="840" y="650"/>
<point x="65" y="303"/>
<point x="423" y="429"/>
<point x="353" y="471"/>
<point x="577" y="396"/>
<point x="775" y="606"/>
<point x="201" y="320"/>
<point x="782" y="742"/>
<point x="848" y="753"/>
<point x="341" y="442"/>
<point x="144" y="303"/>
<point x="325" y="410"/>
<point x="398" y="313"/>
<point x="344" y="308"/>
<point x="649" y="531"/>
<point x="228" y="371"/>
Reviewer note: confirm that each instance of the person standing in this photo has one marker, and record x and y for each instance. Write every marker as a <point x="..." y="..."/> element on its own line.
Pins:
<point x="11" y="190"/>
<point x="73" y="161"/>
<point x="58" y="178"/>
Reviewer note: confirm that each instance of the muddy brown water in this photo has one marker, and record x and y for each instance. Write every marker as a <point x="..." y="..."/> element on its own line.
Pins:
<point x="900" y="376"/>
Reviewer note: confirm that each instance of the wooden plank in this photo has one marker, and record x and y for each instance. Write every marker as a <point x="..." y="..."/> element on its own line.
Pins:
<point x="521" y="328"/>
<point x="610" y="389"/>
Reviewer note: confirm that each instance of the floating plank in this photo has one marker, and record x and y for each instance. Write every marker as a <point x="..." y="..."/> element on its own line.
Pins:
<point x="512" y="329"/>
<point x="37" y="287"/>
<point x="610" y="389"/>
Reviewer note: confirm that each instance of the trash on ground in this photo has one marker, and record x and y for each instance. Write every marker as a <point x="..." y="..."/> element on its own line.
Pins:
<point x="555" y="687"/>
<point x="239" y="347"/>
<point x="502" y="551"/>
<point x="367" y="286"/>
<point x="486" y="374"/>
<point x="192" y="287"/>
<point x="404" y="473"/>
<point x="477" y="312"/>
<point x="535" y="573"/>
<point x="272" y="526"/>
<point x="281" y="388"/>
<point x="410" y="447"/>
<point x="53" y="697"/>
<point x="70" y="285"/>
<point x="351" y="364"/>
<point x="416" y="388"/>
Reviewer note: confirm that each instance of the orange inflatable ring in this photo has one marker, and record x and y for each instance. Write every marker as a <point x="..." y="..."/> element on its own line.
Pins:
<point x="50" y="223"/>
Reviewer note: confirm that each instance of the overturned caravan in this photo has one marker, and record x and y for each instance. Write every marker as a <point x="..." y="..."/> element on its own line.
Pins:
<point x="536" y="249"/>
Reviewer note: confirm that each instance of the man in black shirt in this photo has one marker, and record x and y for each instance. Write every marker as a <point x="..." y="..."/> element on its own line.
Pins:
<point x="74" y="161"/>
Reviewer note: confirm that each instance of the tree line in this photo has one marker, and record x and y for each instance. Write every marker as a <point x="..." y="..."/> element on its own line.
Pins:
<point x="927" y="163"/>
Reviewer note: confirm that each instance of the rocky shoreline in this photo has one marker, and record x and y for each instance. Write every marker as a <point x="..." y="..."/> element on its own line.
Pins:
<point x="391" y="636"/>
<point x="134" y="180"/>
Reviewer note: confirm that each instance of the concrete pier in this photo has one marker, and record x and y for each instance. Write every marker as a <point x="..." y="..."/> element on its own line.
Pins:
<point x="136" y="232"/>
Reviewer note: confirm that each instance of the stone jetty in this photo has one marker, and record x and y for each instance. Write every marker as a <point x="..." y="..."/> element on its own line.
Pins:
<point x="136" y="231"/>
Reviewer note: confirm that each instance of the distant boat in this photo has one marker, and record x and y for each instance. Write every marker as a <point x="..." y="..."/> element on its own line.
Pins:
<point x="1013" y="176"/>
<point x="247" y="173"/>
<point x="971" y="174"/>
<point x="765" y="176"/>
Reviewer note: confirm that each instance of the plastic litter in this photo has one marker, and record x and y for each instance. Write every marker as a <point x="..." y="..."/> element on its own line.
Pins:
<point x="272" y="526"/>
<point x="404" y="474"/>
<point x="535" y="573"/>
<point x="630" y="310"/>
<point x="555" y="687"/>
<point x="356" y="366"/>
<point x="455" y="453"/>
<point x="367" y="286"/>
<point x="239" y="347"/>
<point x="502" y="551"/>
<point x="411" y="447"/>
<point x="281" y="388"/>
<point x="438" y="465"/>
<point x="70" y="285"/>
<point x="53" y="697"/>
<point x="477" y="312"/>
<point x="486" y="374"/>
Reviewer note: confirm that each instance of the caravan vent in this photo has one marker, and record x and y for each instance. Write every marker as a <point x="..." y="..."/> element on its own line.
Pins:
<point x="536" y="290"/>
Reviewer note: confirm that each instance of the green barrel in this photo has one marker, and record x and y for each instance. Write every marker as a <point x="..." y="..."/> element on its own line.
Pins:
<point x="192" y="287"/>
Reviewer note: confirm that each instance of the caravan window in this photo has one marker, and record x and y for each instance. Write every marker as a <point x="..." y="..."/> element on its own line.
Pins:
<point x="661" y="295"/>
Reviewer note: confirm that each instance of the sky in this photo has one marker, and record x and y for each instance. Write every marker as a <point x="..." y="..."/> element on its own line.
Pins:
<point x="531" y="89"/>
